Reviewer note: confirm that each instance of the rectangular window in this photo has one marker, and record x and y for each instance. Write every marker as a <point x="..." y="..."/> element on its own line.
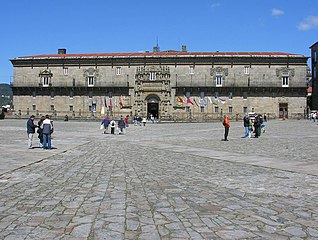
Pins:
<point x="45" y="81"/>
<point x="52" y="94"/>
<point x="285" y="81"/>
<point x="216" y="109"/>
<point x="230" y="109"/>
<point x="216" y="95"/>
<point x="52" y="107"/>
<point x="89" y="108"/>
<point x="244" y="109"/>
<point x="71" y="94"/>
<point x="315" y="73"/>
<point x="90" y="94"/>
<point x="71" y="108"/>
<point x="153" y="76"/>
<point x="90" y="80"/>
<point x="34" y="94"/>
<point x="65" y="71"/>
<point x="244" y="95"/>
<point x="118" y="71"/>
<point x="315" y="57"/>
<point x="33" y="107"/>
<point x="218" y="80"/>
<point x="191" y="69"/>
<point x="202" y="109"/>
<point x="230" y="96"/>
<point x="247" y="70"/>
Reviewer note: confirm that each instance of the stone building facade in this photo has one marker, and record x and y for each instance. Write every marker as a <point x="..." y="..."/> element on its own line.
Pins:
<point x="314" y="78"/>
<point x="171" y="85"/>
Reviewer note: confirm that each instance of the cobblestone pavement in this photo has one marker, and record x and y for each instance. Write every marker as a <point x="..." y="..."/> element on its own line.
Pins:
<point x="161" y="181"/>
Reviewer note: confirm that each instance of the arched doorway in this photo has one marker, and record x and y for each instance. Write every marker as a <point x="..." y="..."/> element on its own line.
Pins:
<point x="153" y="106"/>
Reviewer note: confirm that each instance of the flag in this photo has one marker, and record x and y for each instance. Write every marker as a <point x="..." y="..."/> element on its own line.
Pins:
<point x="105" y="103"/>
<point x="221" y="100"/>
<point x="196" y="103"/>
<point x="189" y="101"/>
<point x="110" y="104"/>
<point x="180" y="100"/>
<point x="204" y="102"/>
<point x="102" y="111"/>
<point x="210" y="99"/>
<point x="121" y="103"/>
<point x="116" y="103"/>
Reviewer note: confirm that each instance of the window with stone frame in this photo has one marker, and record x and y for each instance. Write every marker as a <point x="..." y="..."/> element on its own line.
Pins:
<point x="285" y="80"/>
<point x="218" y="80"/>
<point x="90" y="81"/>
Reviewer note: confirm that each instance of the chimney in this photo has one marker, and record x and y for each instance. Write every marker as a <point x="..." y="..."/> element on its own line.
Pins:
<point x="184" y="48"/>
<point x="61" y="51"/>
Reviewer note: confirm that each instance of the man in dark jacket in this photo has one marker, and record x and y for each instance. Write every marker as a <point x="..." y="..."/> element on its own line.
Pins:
<point x="31" y="130"/>
<point x="246" y="121"/>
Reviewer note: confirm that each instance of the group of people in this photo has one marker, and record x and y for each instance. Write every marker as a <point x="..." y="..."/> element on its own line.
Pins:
<point x="111" y="123"/>
<point x="45" y="129"/>
<point x="255" y="125"/>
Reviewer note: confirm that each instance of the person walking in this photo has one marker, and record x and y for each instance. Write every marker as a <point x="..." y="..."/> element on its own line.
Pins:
<point x="112" y="126"/>
<point x="121" y="125"/>
<point x="31" y="130"/>
<point x="105" y="124"/>
<point x="47" y="130"/>
<point x="246" y="121"/>
<point x="226" y="124"/>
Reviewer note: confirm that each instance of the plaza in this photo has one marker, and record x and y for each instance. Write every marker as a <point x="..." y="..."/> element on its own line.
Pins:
<point x="161" y="181"/>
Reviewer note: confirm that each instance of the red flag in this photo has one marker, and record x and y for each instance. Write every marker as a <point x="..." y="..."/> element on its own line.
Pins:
<point x="189" y="101"/>
<point x="180" y="100"/>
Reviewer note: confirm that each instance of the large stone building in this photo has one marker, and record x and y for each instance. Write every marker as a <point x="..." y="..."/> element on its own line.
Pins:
<point x="176" y="85"/>
<point x="314" y="79"/>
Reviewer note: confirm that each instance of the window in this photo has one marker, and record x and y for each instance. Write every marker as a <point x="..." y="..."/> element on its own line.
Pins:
<point x="52" y="94"/>
<point x="244" y="109"/>
<point x="230" y="96"/>
<point x="71" y="108"/>
<point x="230" y="109"/>
<point x="90" y="81"/>
<point x="71" y="94"/>
<point x="216" y="109"/>
<point x="315" y="73"/>
<point x="191" y="69"/>
<point x="218" y="79"/>
<point x="285" y="81"/>
<point x="89" y="108"/>
<point x="202" y="109"/>
<point x="246" y="70"/>
<point x="52" y="107"/>
<point x="244" y="95"/>
<point x="90" y="94"/>
<point x="45" y="81"/>
<point x="118" y="70"/>
<point x="65" y="71"/>
<point x="153" y="76"/>
<point x="33" y="107"/>
<point x="315" y="57"/>
<point x="34" y="94"/>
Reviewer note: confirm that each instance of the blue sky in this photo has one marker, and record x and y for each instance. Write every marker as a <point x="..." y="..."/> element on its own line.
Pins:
<point x="31" y="27"/>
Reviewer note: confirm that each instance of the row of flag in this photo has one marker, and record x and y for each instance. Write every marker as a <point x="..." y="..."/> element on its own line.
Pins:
<point x="112" y="102"/>
<point x="197" y="101"/>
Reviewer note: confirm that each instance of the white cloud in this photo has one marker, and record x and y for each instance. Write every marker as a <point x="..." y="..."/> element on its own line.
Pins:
<point x="309" y="23"/>
<point x="277" y="12"/>
<point x="215" y="5"/>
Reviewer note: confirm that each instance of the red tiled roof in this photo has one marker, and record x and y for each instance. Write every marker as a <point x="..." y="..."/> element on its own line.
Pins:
<point x="164" y="54"/>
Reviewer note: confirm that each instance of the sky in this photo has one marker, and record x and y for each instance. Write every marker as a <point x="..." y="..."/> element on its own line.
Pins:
<point x="33" y="27"/>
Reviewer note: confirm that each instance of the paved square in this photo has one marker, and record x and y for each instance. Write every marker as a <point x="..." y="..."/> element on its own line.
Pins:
<point x="161" y="181"/>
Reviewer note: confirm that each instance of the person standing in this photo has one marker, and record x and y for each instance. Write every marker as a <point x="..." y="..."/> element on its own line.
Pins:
<point x="47" y="130"/>
<point x="226" y="124"/>
<point x="39" y="131"/>
<point x="31" y="130"/>
<point x="246" y="121"/>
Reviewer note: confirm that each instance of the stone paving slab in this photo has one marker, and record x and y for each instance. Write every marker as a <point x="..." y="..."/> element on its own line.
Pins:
<point x="162" y="181"/>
